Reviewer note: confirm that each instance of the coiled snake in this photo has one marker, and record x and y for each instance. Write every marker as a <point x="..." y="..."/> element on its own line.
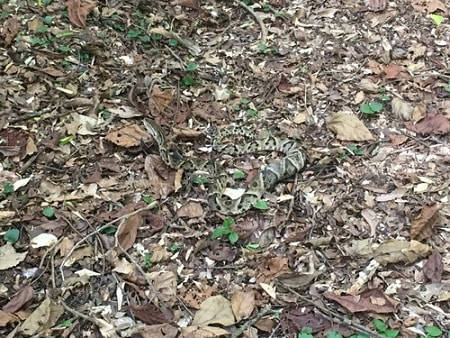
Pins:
<point x="266" y="178"/>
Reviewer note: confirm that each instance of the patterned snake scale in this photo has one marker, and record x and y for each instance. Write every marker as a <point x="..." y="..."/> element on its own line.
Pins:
<point x="267" y="177"/>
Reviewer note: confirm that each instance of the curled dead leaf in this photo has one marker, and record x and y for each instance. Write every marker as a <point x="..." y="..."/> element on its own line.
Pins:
<point x="422" y="227"/>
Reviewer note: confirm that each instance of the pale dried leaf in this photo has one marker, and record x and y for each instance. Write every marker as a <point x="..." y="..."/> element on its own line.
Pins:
<point x="401" y="109"/>
<point x="214" y="310"/>
<point x="348" y="127"/>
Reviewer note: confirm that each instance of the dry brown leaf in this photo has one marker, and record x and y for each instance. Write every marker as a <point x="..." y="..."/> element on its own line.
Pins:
<point x="9" y="257"/>
<point x="392" y="71"/>
<point x="214" y="310"/>
<point x="397" y="139"/>
<point x="348" y="127"/>
<point x="396" y="251"/>
<point x="422" y="227"/>
<point x="150" y="314"/>
<point x="420" y="110"/>
<point x="6" y="318"/>
<point x="128" y="136"/>
<point x="401" y="109"/>
<point x="428" y="6"/>
<point x="243" y="304"/>
<point x="368" y="86"/>
<point x="25" y="294"/>
<point x="159" y="253"/>
<point x="127" y="232"/>
<point x="430" y="124"/>
<point x="373" y="300"/>
<point x="9" y="30"/>
<point x="78" y="11"/>
<point x="191" y="210"/>
<point x="42" y="318"/>
<point x="161" y="179"/>
<point x="165" y="282"/>
<point x="434" y="267"/>
<point x="159" y="100"/>
<point x="158" y="331"/>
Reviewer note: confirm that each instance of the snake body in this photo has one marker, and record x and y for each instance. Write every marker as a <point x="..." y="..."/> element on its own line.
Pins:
<point x="266" y="178"/>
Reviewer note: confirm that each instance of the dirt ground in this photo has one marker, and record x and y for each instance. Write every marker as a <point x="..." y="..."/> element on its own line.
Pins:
<point x="100" y="238"/>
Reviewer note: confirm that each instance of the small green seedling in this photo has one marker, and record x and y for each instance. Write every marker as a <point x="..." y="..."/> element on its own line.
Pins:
<point x="371" y="108"/>
<point x="252" y="246"/>
<point x="11" y="236"/>
<point x="305" y="333"/>
<point x="174" y="248"/>
<point x="191" y="67"/>
<point x="260" y="205"/>
<point x="200" y="180"/>
<point x="48" y="212"/>
<point x="433" y="331"/>
<point x="67" y="323"/>
<point x="226" y="230"/>
<point x="447" y="87"/>
<point x="147" y="199"/>
<point x="188" y="81"/>
<point x="238" y="175"/>
<point x="8" y="188"/>
<point x="147" y="260"/>
<point x="66" y="140"/>
<point x="384" y="330"/>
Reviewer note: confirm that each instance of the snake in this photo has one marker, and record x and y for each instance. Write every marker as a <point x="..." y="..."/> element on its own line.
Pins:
<point x="267" y="177"/>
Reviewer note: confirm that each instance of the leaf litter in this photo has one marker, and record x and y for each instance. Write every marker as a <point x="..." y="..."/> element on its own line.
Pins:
<point x="360" y="233"/>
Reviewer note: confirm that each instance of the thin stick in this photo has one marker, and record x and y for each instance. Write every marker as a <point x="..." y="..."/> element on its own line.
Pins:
<point x="257" y="18"/>
<point x="147" y="207"/>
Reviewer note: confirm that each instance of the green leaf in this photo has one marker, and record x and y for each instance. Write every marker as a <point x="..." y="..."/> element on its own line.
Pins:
<point x="133" y="33"/>
<point x="173" y="42"/>
<point x="48" y="212"/>
<point x="251" y="112"/>
<point x="371" y="108"/>
<point x="380" y="325"/>
<point x="42" y="29"/>
<point x="437" y="19"/>
<point x="188" y="81"/>
<point x="262" y="47"/>
<point x="64" y="49"/>
<point x="66" y="139"/>
<point x="174" y="248"/>
<point x="200" y="180"/>
<point x="12" y="235"/>
<point x="110" y="230"/>
<point x="376" y="106"/>
<point x="48" y="20"/>
<point x="67" y="323"/>
<point x="245" y="101"/>
<point x="147" y="258"/>
<point x="144" y="38"/>
<point x="305" y="333"/>
<point x="333" y="334"/>
<point x="237" y="107"/>
<point x="228" y="222"/>
<point x="261" y="205"/>
<point x="391" y="333"/>
<point x="191" y="67"/>
<point x="433" y="331"/>
<point x="252" y="246"/>
<point x="356" y="150"/>
<point x="238" y="175"/>
<point x="233" y="237"/>
<point x="156" y="37"/>
<point x="447" y="87"/>
<point x="8" y="188"/>
<point x="147" y="199"/>
<point x="220" y="231"/>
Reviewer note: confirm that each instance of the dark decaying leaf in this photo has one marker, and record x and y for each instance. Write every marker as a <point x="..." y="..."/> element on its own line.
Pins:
<point x="433" y="268"/>
<point x="295" y="319"/>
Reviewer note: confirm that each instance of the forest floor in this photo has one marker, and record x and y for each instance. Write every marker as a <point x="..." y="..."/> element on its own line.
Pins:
<point x="100" y="238"/>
